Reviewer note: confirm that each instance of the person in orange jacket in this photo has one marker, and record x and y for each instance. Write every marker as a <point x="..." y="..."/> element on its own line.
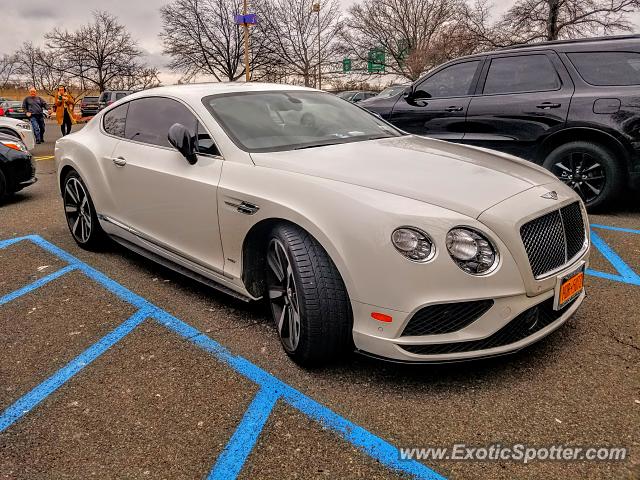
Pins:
<point x="63" y="107"/>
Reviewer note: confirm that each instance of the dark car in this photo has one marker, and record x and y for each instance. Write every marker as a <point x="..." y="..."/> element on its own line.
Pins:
<point x="110" y="96"/>
<point x="89" y="106"/>
<point x="355" y="96"/>
<point x="16" y="166"/>
<point x="392" y="91"/>
<point x="571" y="106"/>
<point x="13" y="109"/>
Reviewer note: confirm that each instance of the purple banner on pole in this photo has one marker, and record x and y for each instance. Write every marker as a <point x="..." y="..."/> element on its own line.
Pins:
<point x="249" y="19"/>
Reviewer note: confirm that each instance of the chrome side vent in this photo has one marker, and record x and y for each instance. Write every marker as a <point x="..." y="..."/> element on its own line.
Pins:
<point x="244" y="207"/>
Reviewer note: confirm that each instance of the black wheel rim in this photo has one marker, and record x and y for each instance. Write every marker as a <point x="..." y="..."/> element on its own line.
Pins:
<point x="582" y="172"/>
<point x="77" y="210"/>
<point x="283" y="295"/>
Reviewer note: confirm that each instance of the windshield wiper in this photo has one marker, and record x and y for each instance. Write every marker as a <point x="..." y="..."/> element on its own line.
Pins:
<point x="317" y="145"/>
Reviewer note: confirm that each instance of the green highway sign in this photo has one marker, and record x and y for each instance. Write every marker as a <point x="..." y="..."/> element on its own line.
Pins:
<point x="346" y="65"/>
<point x="376" y="61"/>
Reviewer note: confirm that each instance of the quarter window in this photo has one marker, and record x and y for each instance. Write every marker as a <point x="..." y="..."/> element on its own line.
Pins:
<point x="608" y="68"/>
<point x="520" y="74"/>
<point x="453" y="81"/>
<point x="114" y="120"/>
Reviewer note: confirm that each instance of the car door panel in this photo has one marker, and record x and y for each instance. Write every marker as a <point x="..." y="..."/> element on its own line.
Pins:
<point x="445" y="96"/>
<point x="516" y="122"/>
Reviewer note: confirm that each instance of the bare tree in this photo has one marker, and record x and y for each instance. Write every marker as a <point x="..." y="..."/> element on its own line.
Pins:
<point x="201" y="38"/>
<point x="8" y="69"/>
<point x="40" y="70"/>
<point x="538" y="20"/>
<point x="97" y="54"/>
<point x="291" y="30"/>
<point x="414" y="34"/>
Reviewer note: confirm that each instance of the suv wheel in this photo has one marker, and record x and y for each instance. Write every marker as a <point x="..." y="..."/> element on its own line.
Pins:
<point x="80" y="213"/>
<point x="308" y="298"/>
<point x="588" y="168"/>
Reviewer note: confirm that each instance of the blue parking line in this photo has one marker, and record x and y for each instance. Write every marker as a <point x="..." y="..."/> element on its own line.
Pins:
<point x="615" y="229"/>
<point x="30" y="400"/>
<point x="626" y="273"/>
<point x="37" y="284"/>
<point x="235" y="454"/>
<point x="365" y="441"/>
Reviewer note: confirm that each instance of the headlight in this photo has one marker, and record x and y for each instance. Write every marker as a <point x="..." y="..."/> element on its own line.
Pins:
<point x="413" y="244"/>
<point x="472" y="251"/>
<point x="14" y="145"/>
<point x="24" y="126"/>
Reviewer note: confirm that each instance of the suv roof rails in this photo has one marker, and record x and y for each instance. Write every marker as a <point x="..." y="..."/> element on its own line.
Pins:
<point x="574" y="40"/>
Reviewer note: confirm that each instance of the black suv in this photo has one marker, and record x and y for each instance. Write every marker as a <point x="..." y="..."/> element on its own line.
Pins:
<point x="572" y="106"/>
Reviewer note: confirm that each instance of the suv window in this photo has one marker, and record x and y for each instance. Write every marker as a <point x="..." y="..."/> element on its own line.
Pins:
<point x="527" y="73"/>
<point x="120" y="95"/>
<point x="607" y="68"/>
<point x="453" y="81"/>
<point x="114" y="120"/>
<point x="104" y="97"/>
<point x="149" y="120"/>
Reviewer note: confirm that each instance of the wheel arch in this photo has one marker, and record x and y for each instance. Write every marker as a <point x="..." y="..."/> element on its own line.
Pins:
<point x="254" y="253"/>
<point x="10" y="131"/>
<point x="584" y="134"/>
<point x="63" y="174"/>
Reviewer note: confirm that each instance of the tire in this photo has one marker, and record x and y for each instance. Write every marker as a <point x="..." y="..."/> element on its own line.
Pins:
<point x="588" y="167"/>
<point x="84" y="226"/>
<point x="313" y="285"/>
<point x="3" y="186"/>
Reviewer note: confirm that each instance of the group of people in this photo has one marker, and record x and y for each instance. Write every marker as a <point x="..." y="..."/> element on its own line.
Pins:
<point x="35" y="107"/>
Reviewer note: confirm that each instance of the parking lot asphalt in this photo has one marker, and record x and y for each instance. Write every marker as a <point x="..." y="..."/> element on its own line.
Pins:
<point x="159" y="405"/>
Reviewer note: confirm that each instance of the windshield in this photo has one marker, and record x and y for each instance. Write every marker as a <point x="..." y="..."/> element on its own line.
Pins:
<point x="289" y="120"/>
<point x="345" y="95"/>
<point x="391" y="91"/>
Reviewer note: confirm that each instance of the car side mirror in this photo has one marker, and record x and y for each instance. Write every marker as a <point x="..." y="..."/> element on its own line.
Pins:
<point x="416" y="98"/>
<point x="184" y="142"/>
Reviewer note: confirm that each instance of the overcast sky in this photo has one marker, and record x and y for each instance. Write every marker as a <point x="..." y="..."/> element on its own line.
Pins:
<point x="28" y="20"/>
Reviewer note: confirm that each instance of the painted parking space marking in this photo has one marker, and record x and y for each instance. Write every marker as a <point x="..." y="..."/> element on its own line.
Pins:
<point x="625" y="273"/>
<point x="43" y="157"/>
<point x="272" y="390"/>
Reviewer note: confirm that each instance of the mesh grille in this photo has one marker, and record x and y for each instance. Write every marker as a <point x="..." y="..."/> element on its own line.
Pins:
<point x="524" y="325"/>
<point x="574" y="228"/>
<point x="446" y="318"/>
<point x="553" y="239"/>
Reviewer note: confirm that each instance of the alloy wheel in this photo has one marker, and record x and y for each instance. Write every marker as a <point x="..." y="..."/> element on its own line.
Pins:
<point x="583" y="173"/>
<point x="283" y="295"/>
<point x="77" y="209"/>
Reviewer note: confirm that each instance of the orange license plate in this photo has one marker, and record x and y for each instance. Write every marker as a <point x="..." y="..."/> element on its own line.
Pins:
<point x="570" y="288"/>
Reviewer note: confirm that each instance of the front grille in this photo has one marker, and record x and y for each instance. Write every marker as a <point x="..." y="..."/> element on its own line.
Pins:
<point x="446" y="318"/>
<point x="553" y="239"/>
<point x="524" y="325"/>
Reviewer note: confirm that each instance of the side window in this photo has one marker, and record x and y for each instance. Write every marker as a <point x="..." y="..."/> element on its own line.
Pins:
<point x="149" y="120"/>
<point x="114" y="121"/>
<point x="453" y="81"/>
<point x="520" y="74"/>
<point x="607" y="68"/>
<point x="104" y="97"/>
<point x="120" y="95"/>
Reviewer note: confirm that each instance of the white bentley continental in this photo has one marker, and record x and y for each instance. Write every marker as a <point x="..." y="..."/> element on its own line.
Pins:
<point x="360" y="236"/>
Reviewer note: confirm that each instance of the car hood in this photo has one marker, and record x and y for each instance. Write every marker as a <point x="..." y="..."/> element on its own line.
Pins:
<point x="465" y="179"/>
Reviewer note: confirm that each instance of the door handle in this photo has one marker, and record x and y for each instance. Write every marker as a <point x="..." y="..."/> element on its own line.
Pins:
<point x="453" y="109"/>
<point x="548" y="105"/>
<point x="119" y="161"/>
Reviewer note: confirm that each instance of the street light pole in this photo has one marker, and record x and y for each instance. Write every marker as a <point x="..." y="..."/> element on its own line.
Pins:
<point x="246" y="43"/>
<point x="316" y="8"/>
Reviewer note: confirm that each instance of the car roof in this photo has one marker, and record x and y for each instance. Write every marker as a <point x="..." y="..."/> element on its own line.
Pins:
<point x="200" y="90"/>
<point x="574" y="45"/>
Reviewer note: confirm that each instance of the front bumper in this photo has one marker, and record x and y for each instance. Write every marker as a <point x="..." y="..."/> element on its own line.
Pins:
<point x="511" y="314"/>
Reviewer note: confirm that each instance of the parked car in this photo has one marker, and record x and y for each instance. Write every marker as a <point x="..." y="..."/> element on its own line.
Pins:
<point x="327" y="210"/>
<point x="392" y="91"/>
<point x="89" y="106"/>
<point x="110" y="96"/>
<point x="13" y="109"/>
<point x="568" y="105"/>
<point x="355" y="96"/>
<point x="16" y="166"/>
<point x="19" y="129"/>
